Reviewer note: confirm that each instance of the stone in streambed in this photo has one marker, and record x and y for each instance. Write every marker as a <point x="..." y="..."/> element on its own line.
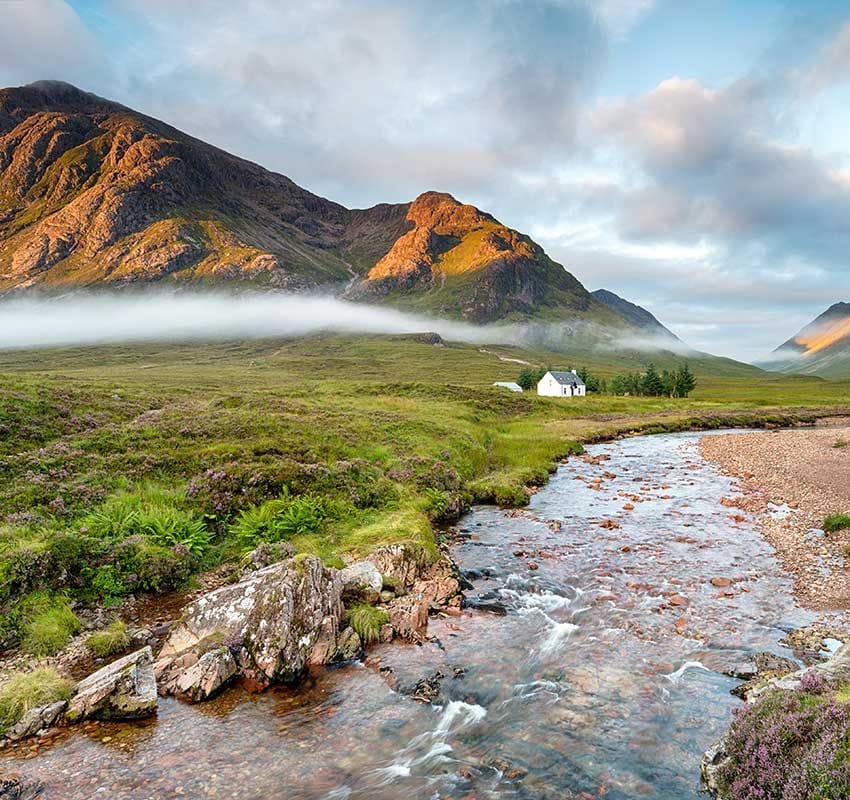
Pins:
<point x="124" y="689"/>
<point x="36" y="720"/>
<point x="271" y="621"/>
<point x="206" y="677"/>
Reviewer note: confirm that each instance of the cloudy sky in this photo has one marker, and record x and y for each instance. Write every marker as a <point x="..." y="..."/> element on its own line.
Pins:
<point x="691" y="155"/>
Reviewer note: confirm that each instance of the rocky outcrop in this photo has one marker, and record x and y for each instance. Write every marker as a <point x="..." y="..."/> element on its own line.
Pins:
<point x="835" y="671"/>
<point x="361" y="580"/>
<point x="269" y="622"/>
<point x="124" y="689"/>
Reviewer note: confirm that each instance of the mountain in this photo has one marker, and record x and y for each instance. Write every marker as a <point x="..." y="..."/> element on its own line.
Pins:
<point x="95" y="194"/>
<point x="635" y="314"/>
<point x="821" y="348"/>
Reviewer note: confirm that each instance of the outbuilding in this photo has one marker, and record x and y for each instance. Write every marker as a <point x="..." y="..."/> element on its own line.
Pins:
<point x="561" y="384"/>
<point x="509" y="385"/>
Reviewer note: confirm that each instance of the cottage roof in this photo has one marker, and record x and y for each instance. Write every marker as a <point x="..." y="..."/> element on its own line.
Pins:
<point x="567" y="378"/>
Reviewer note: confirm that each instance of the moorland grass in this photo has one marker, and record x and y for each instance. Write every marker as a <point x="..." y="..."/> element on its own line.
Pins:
<point x="836" y="522"/>
<point x="128" y="469"/>
<point x="26" y="690"/>
<point x="111" y="640"/>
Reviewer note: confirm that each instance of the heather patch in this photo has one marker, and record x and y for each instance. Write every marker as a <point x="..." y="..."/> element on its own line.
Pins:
<point x="790" y="746"/>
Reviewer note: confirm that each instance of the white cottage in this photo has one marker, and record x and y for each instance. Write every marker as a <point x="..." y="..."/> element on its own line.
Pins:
<point x="561" y="384"/>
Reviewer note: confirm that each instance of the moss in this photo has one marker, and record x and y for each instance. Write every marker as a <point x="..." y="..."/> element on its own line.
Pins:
<point x="27" y="690"/>
<point x="367" y="621"/>
<point x="110" y="640"/>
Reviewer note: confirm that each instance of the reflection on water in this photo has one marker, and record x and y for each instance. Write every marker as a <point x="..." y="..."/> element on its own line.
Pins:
<point x="604" y="679"/>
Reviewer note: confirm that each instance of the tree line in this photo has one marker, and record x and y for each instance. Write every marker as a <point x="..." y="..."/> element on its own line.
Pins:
<point x="679" y="382"/>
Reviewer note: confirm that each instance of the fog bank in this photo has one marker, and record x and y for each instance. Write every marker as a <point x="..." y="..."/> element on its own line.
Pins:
<point x="156" y="315"/>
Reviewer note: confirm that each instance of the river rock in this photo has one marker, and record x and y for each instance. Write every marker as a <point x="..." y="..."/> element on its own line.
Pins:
<point x="713" y="761"/>
<point x="271" y="621"/>
<point x="17" y="789"/>
<point x="438" y="583"/>
<point x="36" y="720"/>
<point x="408" y="615"/>
<point x="349" y="646"/>
<point x="124" y="689"/>
<point x="204" y="678"/>
<point x="361" y="580"/>
<point x="401" y="563"/>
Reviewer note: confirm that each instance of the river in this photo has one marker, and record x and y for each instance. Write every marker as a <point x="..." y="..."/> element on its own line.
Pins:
<point x="604" y="678"/>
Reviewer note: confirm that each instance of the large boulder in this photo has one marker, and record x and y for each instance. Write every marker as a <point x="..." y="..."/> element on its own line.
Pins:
<point x="270" y="621"/>
<point x="199" y="679"/>
<point x="124" y="689"/>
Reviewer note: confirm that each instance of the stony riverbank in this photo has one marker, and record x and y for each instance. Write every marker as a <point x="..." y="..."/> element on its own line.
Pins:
<point x="794" y="479"/>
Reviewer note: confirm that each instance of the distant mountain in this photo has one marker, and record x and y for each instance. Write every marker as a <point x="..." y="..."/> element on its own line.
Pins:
<point x="95" y="194"/>
<point x="821" y="348"/>
<point x="456" y="259"/>
<point x="635" y="314"/>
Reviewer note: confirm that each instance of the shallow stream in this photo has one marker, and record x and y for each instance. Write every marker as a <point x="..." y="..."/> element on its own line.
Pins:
<point x="605" y="678"/>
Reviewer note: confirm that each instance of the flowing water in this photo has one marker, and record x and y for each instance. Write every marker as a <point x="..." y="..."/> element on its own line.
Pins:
<point x="603" y="679"/>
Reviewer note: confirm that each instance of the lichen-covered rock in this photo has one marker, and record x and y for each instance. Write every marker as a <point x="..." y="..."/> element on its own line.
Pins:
<point x="36" y="720"/>
<point x="349" y="646"/>
<point x="205" y="677"/>
<point x="438" y="583"/>
<point x="713" y="762"/>
<point x="124" y="689"/>
<point x="362" y="580"/>
<point x="400" y="563"/>
<point x="271" y="621"/>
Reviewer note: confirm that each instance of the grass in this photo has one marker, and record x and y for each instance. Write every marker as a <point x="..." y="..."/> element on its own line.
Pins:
<point x="840" y="444"/>
<point x="367" y="621"/>
<point x="128" y="469"/>
<point x="48" y="623"/>
<point x="836" y="522"/>
<point x="111" y="640"/>
<point x="27" y="690"/>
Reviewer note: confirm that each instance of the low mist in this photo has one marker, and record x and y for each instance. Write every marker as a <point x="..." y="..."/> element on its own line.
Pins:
<point x="160" y="316"/>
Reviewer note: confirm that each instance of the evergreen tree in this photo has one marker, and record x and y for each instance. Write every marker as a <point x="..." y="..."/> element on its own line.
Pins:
<point x="669" y="382"/>
<point x="652" y="384"/>
<point x="685" y="381"/>
<point x="526" y="379"/>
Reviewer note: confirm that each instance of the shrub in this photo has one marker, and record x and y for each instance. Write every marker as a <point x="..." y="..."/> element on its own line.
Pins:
<point x="27" y="690"/>
<point x="790" y="746"/>
<point x="149" y="567"/>
<point x="149" y="511"/>
<point x="367" y="621"/>
<point x="48" y="623"/>
<point x="110" y="640"/>
<point x="222" y="493"/>
<point x="836" y="522"/>
<point x="279" y="519"/>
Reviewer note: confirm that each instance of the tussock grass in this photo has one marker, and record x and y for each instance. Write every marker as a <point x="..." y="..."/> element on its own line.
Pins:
<point x="367" y="621"/>
<point x="111" y="640"/>
<point x="49" y="623"/>
<point x="27" y="690"/>
<point x="836" y="522"/>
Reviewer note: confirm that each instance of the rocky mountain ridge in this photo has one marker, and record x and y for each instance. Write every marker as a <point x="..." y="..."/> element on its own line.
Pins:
<point x="820" y="348"/>
<point x="94" y="194"/>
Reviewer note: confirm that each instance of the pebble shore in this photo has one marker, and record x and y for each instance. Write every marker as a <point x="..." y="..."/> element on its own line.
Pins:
<point x="794" y="479"/>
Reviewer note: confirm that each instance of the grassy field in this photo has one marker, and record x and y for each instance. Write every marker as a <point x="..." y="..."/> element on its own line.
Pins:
<point x="128" y="470"/>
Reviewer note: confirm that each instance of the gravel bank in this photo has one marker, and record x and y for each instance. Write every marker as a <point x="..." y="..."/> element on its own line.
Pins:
<point x="794" y="479"/>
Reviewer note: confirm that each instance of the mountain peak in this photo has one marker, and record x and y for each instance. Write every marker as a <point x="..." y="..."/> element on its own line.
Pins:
<point x="820" y="348"/>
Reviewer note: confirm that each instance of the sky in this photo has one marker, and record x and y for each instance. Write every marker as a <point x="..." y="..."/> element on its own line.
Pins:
<point x="689" y="155"/>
